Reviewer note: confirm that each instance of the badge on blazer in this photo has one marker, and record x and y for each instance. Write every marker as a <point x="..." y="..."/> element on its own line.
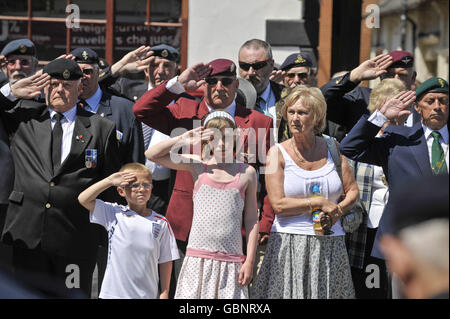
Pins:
<point x="90" y="159"/>
<point x="119" y="135"/>
<point x="156" y="228"/>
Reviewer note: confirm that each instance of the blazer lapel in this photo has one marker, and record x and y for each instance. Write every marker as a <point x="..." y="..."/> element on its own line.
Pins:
<point x="80" y="139"/>
<point x="104" y="108"/>
<point x="419" y="149"/>
<point x="43" y="136"/>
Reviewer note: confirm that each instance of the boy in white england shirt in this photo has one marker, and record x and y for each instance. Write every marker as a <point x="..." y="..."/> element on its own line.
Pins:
<point x="139" y="238"/>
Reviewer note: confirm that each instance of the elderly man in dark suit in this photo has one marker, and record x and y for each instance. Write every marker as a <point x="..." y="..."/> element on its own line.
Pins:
<point x="219" y="83"/>
<point x="404" y="152"/>
<point x="58" y="149"/>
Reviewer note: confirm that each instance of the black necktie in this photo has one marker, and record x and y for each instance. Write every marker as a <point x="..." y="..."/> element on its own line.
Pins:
<point x="57" y="135"/>
<point x="83" y="104"/>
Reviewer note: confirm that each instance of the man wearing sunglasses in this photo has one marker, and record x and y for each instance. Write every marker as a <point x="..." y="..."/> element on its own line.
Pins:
<point x="299" y="70"/>
<point x="18" y="60"/>
<point x="219" y="83"/>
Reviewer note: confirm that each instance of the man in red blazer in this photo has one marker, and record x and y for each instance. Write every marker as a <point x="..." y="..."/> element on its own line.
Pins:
<point x="219" y="83"/>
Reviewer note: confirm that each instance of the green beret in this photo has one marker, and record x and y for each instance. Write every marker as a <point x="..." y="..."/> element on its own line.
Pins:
<point x="63" y="69"/>
<point x="434" y="85"/>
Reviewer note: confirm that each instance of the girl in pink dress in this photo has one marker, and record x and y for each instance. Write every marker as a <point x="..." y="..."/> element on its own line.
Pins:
<point x="224" y="199"/>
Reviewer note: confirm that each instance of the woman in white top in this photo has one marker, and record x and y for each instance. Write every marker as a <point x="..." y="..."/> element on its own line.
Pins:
<point x="299" y="263"/>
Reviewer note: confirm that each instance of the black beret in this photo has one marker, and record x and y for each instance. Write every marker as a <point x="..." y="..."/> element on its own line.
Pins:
<point x="63" y="69"/>
<point x="434" y="85"/>
<point x="167" y="52"/>
<point x="297" y="60"/>
<point x="85" y="55"/>
<point x="19" y="47"/>
<point x="419" y="200"/>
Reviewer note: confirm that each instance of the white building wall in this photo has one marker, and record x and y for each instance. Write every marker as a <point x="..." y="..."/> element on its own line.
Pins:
<point x="218" y="28"/>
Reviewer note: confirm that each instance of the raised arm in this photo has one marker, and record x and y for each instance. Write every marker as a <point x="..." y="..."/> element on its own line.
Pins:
<point x="166" y="152"/>
<point x="88" y="196"/>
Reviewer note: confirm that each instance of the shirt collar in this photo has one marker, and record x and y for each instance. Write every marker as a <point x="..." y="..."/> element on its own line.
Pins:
<point x="69" y="115"/>
<point x="230" y="109"/>
<point x="443" y="131"/>
<point x="94" y="100"/>
<point x="150" y="86"/>
<point x="266" y="94"/>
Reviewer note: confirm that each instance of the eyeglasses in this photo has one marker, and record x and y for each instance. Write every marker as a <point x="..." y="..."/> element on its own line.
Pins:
<point x="88" y="71"/>
<point x="256" y="66"/>
<point x="137" y="186"/>
<point x="224" y="81"/>
<point x="302" y="75"/>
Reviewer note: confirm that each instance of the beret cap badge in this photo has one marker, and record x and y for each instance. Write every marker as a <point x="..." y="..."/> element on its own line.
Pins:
<point x="66" y="74"/>
<point x="232" y="68"/>
<point x="164" y="53"/>
<point x="441" y="82"/>
<point x="22" y="49"/>
<point x="300" y="59"/>
<point x="85" y="55"/>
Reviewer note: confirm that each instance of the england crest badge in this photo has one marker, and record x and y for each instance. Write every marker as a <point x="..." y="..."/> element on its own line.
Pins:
<point x="156" y="228"/>
<point x="90" y="159"/>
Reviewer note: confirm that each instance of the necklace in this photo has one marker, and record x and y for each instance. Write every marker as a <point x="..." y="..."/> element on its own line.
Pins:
<point x="440" y="163"/>
<point x="297" y="153"/>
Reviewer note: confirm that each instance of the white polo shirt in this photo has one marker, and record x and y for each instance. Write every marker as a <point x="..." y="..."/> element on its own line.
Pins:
<point x="137" y="245"/>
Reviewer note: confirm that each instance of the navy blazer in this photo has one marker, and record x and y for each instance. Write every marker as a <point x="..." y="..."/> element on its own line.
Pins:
<point x="402" y="153"/>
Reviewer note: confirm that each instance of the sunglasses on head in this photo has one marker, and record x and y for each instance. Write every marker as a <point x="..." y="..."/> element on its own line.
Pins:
<point x="256" y="66"/>
<point x="224" y="81"/>
<point x="88" y="71"/>
<point x="302" y="75"/>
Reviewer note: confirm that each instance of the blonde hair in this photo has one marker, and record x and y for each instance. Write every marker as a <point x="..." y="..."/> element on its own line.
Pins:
<point x="311" y="96"/>
<point x="136" y="167"/>
<point x="386" y="89"/>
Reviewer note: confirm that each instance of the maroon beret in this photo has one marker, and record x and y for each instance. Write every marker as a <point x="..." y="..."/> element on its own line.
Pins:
<point x="222" y="67"/>
<point x="401" y="59"/>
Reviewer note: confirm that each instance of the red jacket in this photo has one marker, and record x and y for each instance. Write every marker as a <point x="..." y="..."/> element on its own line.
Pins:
<point x="154" y="110"/>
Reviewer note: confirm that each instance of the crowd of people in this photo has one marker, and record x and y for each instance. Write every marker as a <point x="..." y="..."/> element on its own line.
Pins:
<point x="264" y="187"/>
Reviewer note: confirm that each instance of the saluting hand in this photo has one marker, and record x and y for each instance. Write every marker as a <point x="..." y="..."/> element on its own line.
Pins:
<point x="133" y="62"/>
<point x="122" y="179"/>
<point x="277" y="76"/>
<point x="30" y="87"/>
<point x="194" y="77"/>
<point x="398" y="106"/>
<point x="371" y="69"/>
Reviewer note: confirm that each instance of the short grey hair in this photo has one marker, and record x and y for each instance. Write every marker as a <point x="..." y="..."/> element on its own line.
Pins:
<point x="258" y="44"/>
<point x="429" y="242"/>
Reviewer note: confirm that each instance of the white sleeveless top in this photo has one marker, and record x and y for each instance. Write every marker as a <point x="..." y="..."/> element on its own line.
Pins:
<point x="297" y="183"/>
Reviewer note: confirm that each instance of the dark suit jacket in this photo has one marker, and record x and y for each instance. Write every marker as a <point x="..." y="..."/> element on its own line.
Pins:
<point x="346" y="101"/>
<point x="6" y="166"/>
<point x="154" y="110"/>
<point x="402" y="153"/>
<point x="43" y="206"/>
<point x="120" y="111"/>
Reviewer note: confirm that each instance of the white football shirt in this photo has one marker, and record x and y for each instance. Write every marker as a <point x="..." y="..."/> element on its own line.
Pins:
<point x="137" y="245"/>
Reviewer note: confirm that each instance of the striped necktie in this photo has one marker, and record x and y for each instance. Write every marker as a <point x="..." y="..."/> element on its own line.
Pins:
<point x="147" y="132"/>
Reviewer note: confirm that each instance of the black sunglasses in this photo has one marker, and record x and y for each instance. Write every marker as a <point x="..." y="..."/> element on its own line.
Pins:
<point x="88" y="71"/>
<point x="224" y="81"/>
<point x="300" y="75"/>
<point x="256" y="66"/>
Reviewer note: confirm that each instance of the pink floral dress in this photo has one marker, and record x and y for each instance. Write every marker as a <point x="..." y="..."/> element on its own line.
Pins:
<point x="214" y="252"/>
